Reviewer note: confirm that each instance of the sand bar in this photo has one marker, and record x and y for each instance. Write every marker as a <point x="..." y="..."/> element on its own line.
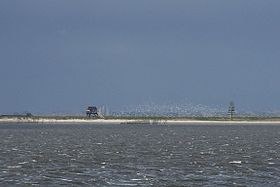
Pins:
<point x="135" y="121"/>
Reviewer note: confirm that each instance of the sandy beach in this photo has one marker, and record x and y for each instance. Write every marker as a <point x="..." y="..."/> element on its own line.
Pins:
<point x="135" y="121"/>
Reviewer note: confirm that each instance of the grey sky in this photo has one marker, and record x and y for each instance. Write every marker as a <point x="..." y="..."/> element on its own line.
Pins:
<point x="62" y="55"/>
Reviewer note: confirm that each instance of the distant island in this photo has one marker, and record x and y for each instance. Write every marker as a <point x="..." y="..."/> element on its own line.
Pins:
<point x="95" y="115"/>
<point x="69" y="119"/>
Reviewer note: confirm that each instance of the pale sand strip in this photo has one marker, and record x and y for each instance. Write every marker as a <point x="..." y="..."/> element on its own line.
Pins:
<point x="222" y="122"/>
<point x="58" y="121"/>
<point x="136" y="121"/>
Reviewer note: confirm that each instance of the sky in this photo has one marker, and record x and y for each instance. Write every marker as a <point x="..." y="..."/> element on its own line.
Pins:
<point x="63" y="55"/>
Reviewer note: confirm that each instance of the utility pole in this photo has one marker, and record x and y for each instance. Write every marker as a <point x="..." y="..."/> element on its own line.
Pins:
<point x="231" y="110"/>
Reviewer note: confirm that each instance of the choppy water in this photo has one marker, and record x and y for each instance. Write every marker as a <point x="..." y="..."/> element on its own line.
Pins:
<point x="139" y="155"/>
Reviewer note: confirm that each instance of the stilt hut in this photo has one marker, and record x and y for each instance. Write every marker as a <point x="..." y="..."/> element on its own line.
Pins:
<point x="92" y="111"/>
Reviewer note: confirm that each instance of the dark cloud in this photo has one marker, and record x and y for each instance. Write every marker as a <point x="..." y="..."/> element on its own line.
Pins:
<point x="63" y="55"/>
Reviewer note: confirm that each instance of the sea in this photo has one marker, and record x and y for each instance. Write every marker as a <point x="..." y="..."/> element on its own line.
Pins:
<point x="139" y="155"/>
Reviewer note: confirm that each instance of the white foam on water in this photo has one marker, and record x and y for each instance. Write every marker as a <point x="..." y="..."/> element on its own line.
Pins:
<point x="136" y="179"/>
<point x="67" y="180"/>
<point x="13" y="167"/>
<point x="235" y="162"/>
<point x="22" y="163"/>
<point x="124" y="184"/>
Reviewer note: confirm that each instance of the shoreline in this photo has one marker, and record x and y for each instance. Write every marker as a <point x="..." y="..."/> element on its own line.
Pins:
<point x="137" y="121"/>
